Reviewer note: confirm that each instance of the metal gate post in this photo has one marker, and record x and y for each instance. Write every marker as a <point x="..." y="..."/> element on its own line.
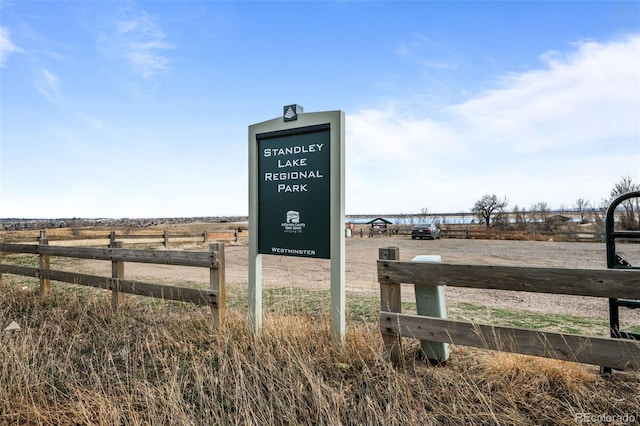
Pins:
<point x="615" y="261"/>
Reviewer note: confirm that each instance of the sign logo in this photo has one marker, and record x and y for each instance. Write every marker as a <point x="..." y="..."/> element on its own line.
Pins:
<point x="293" y="216"/>
<point x="291" y="112"/>
<point x="292" y="224"/>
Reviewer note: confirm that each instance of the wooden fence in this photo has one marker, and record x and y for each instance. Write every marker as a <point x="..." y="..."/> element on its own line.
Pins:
<point x="494" y="234"/>
<point x="213" y="260"/>
<point x="93" y="237"/>
<point x="488" y="234"/>
<point x="620" y="354"/>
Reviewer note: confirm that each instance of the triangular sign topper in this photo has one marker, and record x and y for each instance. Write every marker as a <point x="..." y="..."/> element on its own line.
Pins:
<point x="291" y="112"/>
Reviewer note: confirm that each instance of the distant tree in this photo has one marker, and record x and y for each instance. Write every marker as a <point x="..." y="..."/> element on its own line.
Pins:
<point x="501" y="220"/>
<point x="519" y="218"/>
<point x="406" y="218"/>
<point x="543" y="210"/>
<point x="539" y="215"/>
<point x="630" y="209"/>
<point x="598" y="213"/>
<point x="564" y="209"/>
<point x="74" y="224"/>
<point x="424" y="214"/>
<point x="487" y="206"/>
<point x="583" y="208"/>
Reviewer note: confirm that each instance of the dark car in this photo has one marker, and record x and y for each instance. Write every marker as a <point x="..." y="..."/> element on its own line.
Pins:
<point x="425" y="230"/>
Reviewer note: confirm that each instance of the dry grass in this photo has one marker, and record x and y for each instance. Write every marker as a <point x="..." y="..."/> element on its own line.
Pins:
<point x="76" y="362"/>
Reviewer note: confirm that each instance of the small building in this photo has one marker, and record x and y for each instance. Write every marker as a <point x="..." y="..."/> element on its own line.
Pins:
<point x="379" y="223"/>
<point x="376" y="223"/>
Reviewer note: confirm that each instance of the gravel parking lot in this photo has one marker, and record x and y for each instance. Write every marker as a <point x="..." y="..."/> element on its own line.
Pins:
<point x="362" y="253"/>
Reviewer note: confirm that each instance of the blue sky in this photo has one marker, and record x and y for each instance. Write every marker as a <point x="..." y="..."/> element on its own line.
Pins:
<point x="141" y="109"/>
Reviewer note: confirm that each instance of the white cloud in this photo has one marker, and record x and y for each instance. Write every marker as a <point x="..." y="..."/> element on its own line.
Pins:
<point x="49" y="85"/>
<point x="142" y="42"/>
<point x="567" y="130"/>
<point x="6" y="46"/>
<point x="589" y="96"/>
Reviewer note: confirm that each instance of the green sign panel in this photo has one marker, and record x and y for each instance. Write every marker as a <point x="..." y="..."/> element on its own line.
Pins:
<point x="294" y="192"/>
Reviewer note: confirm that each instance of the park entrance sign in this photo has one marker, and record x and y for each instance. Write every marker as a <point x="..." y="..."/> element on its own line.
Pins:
<point x="296" y="199"/>
<point x="294" y="173"/>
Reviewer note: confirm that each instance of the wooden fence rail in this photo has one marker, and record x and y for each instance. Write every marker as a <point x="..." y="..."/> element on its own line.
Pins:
<point x="620" y="354"/>
<point x="144" y="236"/>
<point x="495" y="234"/>
<point x="213" y="259"/>
<point x="448" y="231"/>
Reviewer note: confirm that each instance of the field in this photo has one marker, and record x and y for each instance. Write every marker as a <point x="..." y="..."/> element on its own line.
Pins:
<point x="76" y="362"/>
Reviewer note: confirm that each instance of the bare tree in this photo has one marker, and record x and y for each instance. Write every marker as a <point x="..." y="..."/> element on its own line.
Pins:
<point x="598" y="214"/>
<point x="406" y="218"/>
<point x="487" y="206"/>
<point x="583" y="208"/>
<point x="630" y="209"/>
<point x="539" y="215"/>
<point x="520" y="220"/>
<point x="424" y="214"/>
<point x="501" y="220"/>
<point x="543" y="210"/>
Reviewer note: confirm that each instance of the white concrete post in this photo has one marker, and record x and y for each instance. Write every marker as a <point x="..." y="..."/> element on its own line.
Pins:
<point x="430" y="302"/>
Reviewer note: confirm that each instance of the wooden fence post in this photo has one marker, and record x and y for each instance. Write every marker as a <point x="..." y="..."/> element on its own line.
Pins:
<point x="112" y="238"/>
<point x="117" y="273"/>
<point x="217" y="282"/>
<point x="205" y="236"/>
<point x="43" y="263"/>
<point x="390" y="301"/>
<point x="166" y="238"/>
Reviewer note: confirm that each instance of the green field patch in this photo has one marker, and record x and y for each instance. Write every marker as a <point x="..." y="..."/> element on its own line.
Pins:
<point x="528" y="319"/>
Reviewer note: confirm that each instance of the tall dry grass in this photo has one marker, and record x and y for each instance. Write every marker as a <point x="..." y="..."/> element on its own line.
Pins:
<point x="76" y="362"/>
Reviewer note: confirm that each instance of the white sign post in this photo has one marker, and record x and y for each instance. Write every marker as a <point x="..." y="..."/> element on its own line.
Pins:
<point x="296" y="200"/>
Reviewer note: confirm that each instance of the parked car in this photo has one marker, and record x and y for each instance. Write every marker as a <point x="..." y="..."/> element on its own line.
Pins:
<point x="425" y="230"/>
